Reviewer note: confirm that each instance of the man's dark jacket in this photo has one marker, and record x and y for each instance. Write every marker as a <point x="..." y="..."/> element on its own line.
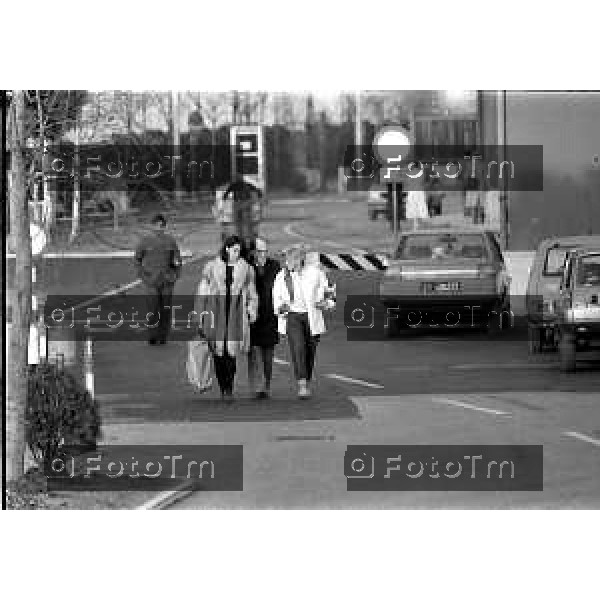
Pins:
<point x="263" y="332"/>
<point x="158" y="259"/>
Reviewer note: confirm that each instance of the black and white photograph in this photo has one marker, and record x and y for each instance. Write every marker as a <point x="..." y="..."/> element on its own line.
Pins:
<point x="253" y="297"/>
<point x="348" y="285"/>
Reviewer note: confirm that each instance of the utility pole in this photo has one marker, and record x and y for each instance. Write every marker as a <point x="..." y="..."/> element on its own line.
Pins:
<point x="323" y="150"/>
<point x="358" y="124"/>
<point x="76" y="186"/>
<point x="176" y="148"/>
<point x="502" y="184"/>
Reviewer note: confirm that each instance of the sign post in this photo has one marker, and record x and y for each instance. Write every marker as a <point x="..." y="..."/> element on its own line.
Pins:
<point x="392" y="145"/>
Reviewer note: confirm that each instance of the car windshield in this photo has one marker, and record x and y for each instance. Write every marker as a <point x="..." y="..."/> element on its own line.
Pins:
<point x="555" y="260"/>
<point x="588" y="270"/>
<point x="442" y="246"/>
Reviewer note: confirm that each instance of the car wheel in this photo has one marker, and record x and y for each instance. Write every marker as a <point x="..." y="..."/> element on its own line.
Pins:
<point x="534" y="336"/>
<point x="568" y="352"/>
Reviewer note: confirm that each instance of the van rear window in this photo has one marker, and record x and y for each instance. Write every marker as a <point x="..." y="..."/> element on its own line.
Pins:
<point x="555" y="259"/>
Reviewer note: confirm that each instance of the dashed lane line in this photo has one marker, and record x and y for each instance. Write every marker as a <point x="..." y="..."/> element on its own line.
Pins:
<point x="477" y="366"/>
<point x="355" y="381"/>
<point x="470" y="406"/>
<point x="362" y="382"/>
<point x="582" y="437"/>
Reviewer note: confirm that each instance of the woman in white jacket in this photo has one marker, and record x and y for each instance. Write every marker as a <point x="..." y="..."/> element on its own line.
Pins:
<point x="301" y="292"/>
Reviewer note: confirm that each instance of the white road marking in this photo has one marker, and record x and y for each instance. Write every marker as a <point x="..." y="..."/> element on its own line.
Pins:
<point x="118" y="290"/>
<point x="378" y="386"/>
<point x="476" y="366"/>
<point x="356" y="381"/>
<point x="582" y="437"/>
<point x="288" y="230"/>
<point x="469" y="406"/>
<point x="113" y="254"/>
<point x="167" y="498"/>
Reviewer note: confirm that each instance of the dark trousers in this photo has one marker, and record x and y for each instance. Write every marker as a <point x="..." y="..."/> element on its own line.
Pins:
<point x="303" y="345"/>
<point x="261" y="355"/>
<point x="225" y="367"/>
<point x="159" y="297"/>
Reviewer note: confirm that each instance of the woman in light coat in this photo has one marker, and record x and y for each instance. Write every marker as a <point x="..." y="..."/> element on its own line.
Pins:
<point x="226" y="304"/>
<point x="301" y="292"/>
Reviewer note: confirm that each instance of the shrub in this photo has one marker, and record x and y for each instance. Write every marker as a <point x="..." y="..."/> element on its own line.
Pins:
<point x="29" y="493"/>
<point x="60" y="412"/>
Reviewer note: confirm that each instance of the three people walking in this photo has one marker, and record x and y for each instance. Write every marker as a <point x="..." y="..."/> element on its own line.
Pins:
<point x="243" y="308"/>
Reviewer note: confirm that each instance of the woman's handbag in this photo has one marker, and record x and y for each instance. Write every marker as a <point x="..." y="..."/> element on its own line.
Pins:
<point x="200" y="365"/>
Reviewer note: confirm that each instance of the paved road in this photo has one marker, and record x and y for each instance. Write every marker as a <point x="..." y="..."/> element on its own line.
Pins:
<point x="458" y="387"/>
<point x="463" y="388"/>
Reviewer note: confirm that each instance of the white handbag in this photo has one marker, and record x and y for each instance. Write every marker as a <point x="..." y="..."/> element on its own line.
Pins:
<point x="200" y="365"/>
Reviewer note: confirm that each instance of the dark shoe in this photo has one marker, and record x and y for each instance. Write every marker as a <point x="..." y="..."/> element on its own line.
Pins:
<point x="262" y="395"/>
<point x="152" y="342"/>
<point x="162" y="342"/>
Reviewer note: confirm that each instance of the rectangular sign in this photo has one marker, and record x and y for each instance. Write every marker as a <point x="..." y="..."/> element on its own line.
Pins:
<point x="148" y="468"/>
<point x="444" y="468"/>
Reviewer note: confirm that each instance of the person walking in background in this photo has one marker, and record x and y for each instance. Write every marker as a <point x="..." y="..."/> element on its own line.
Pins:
<point x="226" y="304"/>
<point x="434" y="198"/>
<point x="158" y="263"/>
<point x="416" y="206"/>
<point x="299" y="298"/>
<point x="473" y="204"/>
<point x="263" y="332"/>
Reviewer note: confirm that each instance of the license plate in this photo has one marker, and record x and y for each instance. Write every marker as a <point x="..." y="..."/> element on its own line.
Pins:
<point x="587" y="312"/>
<point x="442" y="287"/>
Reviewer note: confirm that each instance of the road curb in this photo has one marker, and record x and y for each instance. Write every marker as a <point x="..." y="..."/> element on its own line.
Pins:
<point x="168" y="498"/>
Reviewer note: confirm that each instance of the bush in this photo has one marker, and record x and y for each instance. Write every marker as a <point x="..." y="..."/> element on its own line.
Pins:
<point x="60" y="413"/>
<point x="29" y="493"/>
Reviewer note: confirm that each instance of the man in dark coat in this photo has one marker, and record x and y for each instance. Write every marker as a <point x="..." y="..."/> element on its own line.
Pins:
<point x="263" y="332"/>
<point x="158" y="262"/>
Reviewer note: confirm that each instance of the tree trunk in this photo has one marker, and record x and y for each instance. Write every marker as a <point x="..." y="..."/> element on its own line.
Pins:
<point x="17" y="360"/>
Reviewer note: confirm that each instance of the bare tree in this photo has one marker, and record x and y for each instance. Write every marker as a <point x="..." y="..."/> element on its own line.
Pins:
<point x="17" y="360"/>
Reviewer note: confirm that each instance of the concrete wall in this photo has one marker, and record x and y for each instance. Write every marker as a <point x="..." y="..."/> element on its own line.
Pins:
<point x="568" y="127"/>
